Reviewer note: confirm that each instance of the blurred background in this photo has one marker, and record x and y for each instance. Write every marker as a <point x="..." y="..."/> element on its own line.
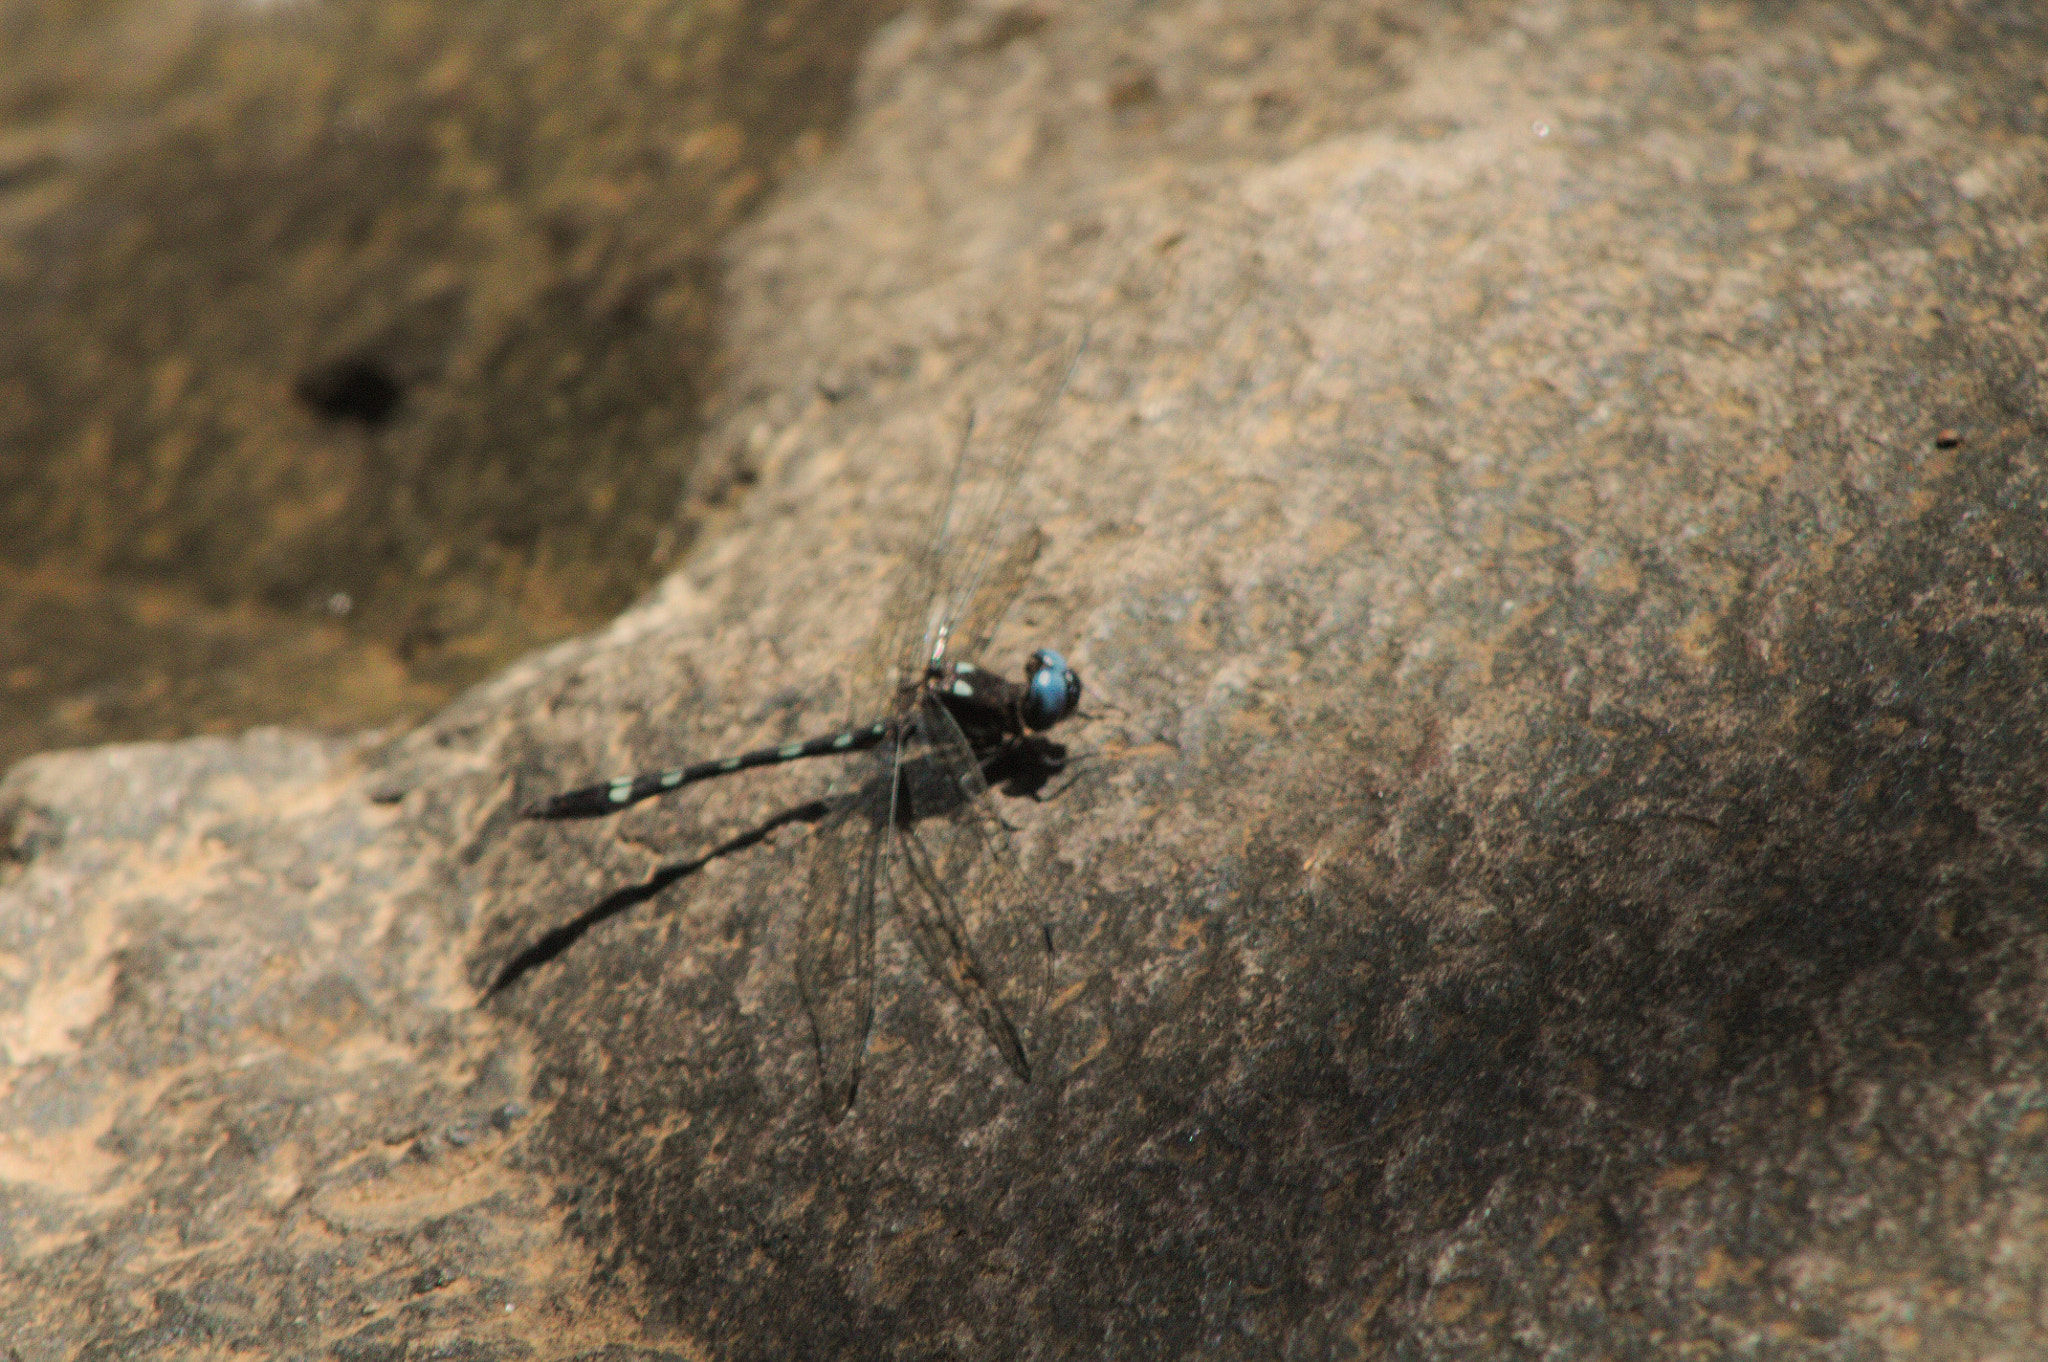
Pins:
<point x="352" y="348"/>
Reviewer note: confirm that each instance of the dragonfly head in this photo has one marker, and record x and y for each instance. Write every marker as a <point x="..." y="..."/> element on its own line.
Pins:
<point x="1052" y="690"/>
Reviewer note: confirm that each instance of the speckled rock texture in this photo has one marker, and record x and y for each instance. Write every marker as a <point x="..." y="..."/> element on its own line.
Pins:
<point x="1551" y="516"/>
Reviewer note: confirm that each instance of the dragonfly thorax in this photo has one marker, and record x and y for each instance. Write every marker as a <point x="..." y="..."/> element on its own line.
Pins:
<point x="992" y="711"/>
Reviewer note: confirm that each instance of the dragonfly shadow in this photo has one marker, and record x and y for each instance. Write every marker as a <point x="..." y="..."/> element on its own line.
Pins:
<point x="561" y="938"/>
<point x="1023" y="770"/>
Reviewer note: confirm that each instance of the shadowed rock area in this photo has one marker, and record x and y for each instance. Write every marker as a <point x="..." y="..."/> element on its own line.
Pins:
<point x="354" y="349"/>
<point x="1551" y="519"/>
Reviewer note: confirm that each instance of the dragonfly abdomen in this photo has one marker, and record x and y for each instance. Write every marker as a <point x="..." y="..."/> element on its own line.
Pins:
<point x="595" y="801"/>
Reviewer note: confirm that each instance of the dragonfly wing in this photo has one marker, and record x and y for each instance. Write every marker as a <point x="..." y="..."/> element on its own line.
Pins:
<point x="835" y="963"/>
<point x="993" y="595"/>
<point x="957" y="888"/>
<point x="901" y="644"/>
<point x="957" y="584"/>
<point x="978" y="585"/>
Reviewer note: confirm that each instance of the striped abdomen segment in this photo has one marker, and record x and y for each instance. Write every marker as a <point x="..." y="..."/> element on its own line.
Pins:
<point x="595" y="801"/>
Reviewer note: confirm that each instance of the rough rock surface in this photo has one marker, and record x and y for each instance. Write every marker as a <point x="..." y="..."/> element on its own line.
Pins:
<point x="1553" y="508"/>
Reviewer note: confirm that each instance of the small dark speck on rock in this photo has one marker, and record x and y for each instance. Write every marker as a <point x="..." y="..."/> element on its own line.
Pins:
<point x="26" y="832"/>
<point x="1133" y="89"/>
<point x="1010" y="25"/>
<point x="353" y="388"/>
<point x="431" y="1279"/>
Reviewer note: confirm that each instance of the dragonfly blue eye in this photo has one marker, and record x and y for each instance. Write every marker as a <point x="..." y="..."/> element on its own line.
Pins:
<point x="1052" y="690"/>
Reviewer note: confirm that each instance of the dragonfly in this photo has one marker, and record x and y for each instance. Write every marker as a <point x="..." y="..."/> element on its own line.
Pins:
<point x="917" y="831"/>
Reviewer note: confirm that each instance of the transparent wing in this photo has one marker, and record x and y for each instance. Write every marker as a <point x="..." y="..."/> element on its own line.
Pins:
<point x="958" y="576"/>
<point x="993" y="596"/>
<point x="893" y="654"/>
<point x="835" y="962"/>
<point x="955" y="884"/>
<point x="977" y="513"/>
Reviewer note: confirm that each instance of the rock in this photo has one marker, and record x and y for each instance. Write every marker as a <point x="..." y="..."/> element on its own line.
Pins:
<point x="1550" y="518"/>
